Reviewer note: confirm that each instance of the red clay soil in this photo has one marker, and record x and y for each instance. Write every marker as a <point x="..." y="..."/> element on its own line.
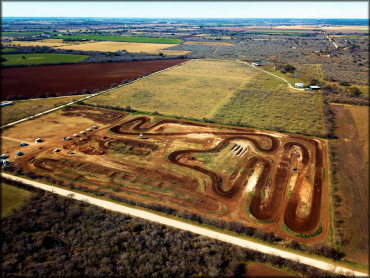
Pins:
<point x="64" y="79"/>
<point x="277" y="155"/>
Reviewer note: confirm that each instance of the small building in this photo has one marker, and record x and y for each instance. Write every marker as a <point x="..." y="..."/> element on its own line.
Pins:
<point x="6" y="103"/>
<point x="314" y="87"/>
<point x="23" y="144"/>
<point x="56" y="150"/>
<point x="88" y="129"/>
<point x="76" y="135"/>
<point x="256" y="64"/>
<point x="141" y="136"/>
<point x="19" y="154"/>
<point x="299" y="85"/>
<point x="82" y="132"/>
<point x="4" y="156"/>
<point x="4" y="162"/>
<point x="39" y="140"/>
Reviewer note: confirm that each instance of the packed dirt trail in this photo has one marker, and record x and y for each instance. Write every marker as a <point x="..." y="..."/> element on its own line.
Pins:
<point x="327" y="266"/>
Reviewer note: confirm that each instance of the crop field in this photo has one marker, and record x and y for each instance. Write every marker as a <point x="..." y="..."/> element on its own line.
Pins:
<point x="40" y="58"/>
<point x="121" y="39"/>
<point x="7" y="49"/>
<point x="26" y="108"/>
<point x="64" y="79"/>
<point x="111" y="46"/>
<point x="194" y="90"/>
<point x="351" y="166"/>
<point x="268" y="180"/>
<point x="46" y="42"/>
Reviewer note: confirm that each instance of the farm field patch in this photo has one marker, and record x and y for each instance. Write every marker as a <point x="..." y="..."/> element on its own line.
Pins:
<point x="233" y="174"/>
<point x="111" y="46"/>
<point x="46" y="42"/>
<point x="40" y="58"/>
<point x="208" y="43"/>
<point x="195" y="89"/>
<point x="64" y="79"/>
<point x="266" y="103"/>
<point x="7" y="49"/>
<point x="12" y="198"/>
<point x="26" y="108"/>
<point x="121" y="38"/>
<point x="352" y="171"/>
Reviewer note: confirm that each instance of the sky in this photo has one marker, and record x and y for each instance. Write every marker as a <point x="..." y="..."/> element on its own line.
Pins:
<point x="187" y="9"/>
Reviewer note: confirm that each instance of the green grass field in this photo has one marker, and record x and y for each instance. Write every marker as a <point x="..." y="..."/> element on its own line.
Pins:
<point x="194" y="90"/>
<point x="40" y="58"/>
<point x="12" y="198"/>
<point x="121" y="38"/>
<point x="20" y="33"/>
<point x="227" y="92"/>
<point x="25" y="108"/>
<point x="268" y="104"/>
<point x="7" y="49"/>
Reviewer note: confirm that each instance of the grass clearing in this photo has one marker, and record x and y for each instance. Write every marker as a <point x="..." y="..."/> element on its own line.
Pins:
<point x="7" y="49"/>
<point x="266" y="103"/>
<point x="40" y="58"/>
<point x="193" y="90"/>
<point x="25" y="108"/>
<point x="351" y="175"/>
<point x="12" y="198"/>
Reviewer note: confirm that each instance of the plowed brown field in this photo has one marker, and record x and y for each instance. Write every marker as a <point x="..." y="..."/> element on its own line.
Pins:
<point x="63" y="79"/>
<point x="234" y="174"/>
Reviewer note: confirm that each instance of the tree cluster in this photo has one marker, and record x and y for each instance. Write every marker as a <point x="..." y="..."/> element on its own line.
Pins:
<point x="57" y="236"/>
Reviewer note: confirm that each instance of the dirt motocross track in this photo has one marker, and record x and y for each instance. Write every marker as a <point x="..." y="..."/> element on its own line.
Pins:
<point x="262" y="179"/>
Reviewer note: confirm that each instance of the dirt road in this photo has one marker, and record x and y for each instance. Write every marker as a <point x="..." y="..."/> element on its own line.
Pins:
<point x="286" y="81"/>
<point x="327" y="266"/>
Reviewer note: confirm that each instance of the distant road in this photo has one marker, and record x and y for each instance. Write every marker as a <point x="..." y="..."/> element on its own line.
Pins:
<point x="331" y="267"/>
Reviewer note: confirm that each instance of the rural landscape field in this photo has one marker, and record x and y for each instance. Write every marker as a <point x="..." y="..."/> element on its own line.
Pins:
<point x="238" y="147"/>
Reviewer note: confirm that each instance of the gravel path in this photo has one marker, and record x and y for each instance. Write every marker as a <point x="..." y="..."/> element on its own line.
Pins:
<point x="192" y="228"/>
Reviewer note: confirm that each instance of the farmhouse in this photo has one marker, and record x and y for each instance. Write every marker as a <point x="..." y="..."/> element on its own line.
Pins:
<point x="19" y="154"/>
<point x="39" y="140"/>
<point x="4" y="156"/>
<point x="23" y="144"/>
<point x="298" y="85"/>
<point x="256" y="64"/>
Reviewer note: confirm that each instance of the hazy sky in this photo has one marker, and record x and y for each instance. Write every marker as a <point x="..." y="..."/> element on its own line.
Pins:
<point x="193" y="9"/>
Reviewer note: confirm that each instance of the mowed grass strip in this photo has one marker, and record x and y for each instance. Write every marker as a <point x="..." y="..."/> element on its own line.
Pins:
<point x="40" y="58"/>
<point x="266" y="103"/>
<point x="192" y="90"/>
<point x="12" y="198"/>
<point x="121" y="38"/>
<point x="25" y="108"/>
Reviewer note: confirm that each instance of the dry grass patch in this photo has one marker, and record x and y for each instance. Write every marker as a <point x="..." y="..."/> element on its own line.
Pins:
<point x="108" y="46"/>
<point x="208" y="43"/>
<point x="196" y="89"/>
